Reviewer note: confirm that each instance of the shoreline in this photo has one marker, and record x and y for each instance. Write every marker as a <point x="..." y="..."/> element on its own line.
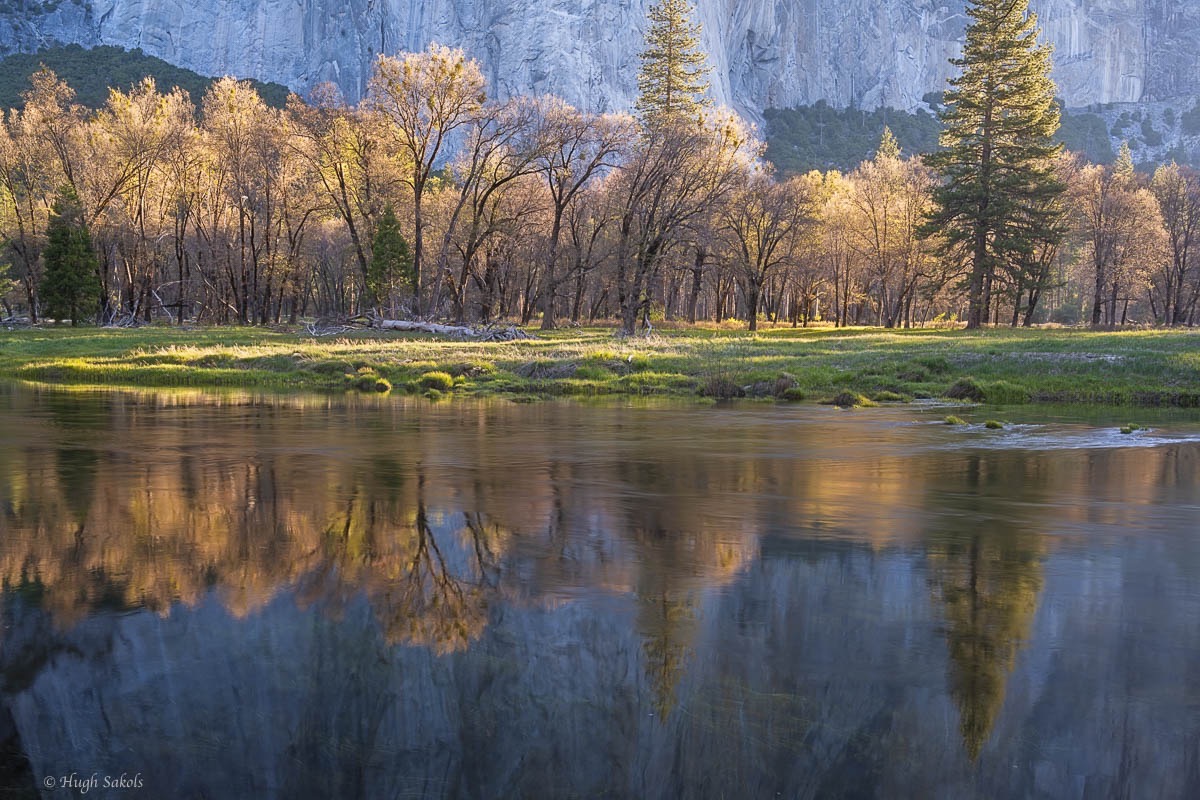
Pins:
<point x="852" y="366"/>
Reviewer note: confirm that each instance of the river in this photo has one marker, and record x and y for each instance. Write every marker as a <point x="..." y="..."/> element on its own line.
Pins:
<point x="227" y="596"/>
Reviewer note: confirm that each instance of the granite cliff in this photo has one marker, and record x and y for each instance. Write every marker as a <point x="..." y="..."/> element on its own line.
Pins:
<point x="765" y="53"/>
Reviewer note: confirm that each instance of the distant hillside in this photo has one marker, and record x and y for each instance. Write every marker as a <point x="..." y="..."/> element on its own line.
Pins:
<point x="91" y="72"/>
<point x="821" y="137"/>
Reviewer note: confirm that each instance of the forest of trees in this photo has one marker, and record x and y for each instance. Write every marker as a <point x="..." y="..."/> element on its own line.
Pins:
<point x="230" y="210"/>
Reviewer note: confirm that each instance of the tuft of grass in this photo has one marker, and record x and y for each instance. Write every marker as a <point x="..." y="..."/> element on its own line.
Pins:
<point x="889" y="397"/>
<point x="1131" y="428"/>
<point x="950" y="419"/>
<point x="1004" y="393"/>
<point x="589" y="372"/>
<point x="849" y="400"/>
<point x="437" y="380"/>
<point x="367" y="379"/>
<point x="994" y="425"/>
<point x="793" y="395"/>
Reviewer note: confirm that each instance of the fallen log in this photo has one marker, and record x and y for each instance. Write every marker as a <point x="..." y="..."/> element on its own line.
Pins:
<point x="486" y="333"/>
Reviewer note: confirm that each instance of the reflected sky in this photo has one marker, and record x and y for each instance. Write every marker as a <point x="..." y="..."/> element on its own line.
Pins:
<point x="315" y="597"/>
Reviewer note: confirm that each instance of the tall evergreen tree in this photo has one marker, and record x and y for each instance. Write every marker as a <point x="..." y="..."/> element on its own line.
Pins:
<point x="888" y="146"/>
<point x="673" y="79"/>
<point x="71" y="282"/>
<point x="391" y="261"/>
<point x="993" y="206"/>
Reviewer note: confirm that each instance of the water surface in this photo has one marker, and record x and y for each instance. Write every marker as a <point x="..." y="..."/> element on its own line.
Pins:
<point x="305" y="597"/>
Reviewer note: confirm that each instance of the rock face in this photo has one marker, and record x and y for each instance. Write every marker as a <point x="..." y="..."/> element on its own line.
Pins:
<point x="861" y="53"/>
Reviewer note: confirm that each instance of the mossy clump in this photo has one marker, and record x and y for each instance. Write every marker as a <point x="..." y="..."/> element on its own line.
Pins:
<point x="994" y="425"/>
<point x="966" y="389"/>
<point x="792" y="395"/>
<point x="849" y="400"/>
<point x="953" y="420"/>
<point x="366" y="379"/>
<point x="888" y="397"/>
<point x="1131" y="428"/>
<point x="441" y="381"/>
<point x="433" y="394"/>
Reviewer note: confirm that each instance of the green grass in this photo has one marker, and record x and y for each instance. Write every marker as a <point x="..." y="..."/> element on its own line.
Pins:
<point x="998" y="367"/>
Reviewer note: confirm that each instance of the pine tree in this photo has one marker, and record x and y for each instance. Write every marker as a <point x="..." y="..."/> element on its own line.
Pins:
<point x="889" y="148"/>
<point x="71" y="283"/>
<point x="673" y="79"/>
<point x="391" y="260"/>
<point x="994" y="205"/>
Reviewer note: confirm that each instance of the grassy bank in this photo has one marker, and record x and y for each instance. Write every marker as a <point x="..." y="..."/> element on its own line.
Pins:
<point x="1127" y="368"/>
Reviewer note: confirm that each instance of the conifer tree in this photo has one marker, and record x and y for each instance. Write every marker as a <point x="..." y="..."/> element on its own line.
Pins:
<point x="391" y="260"/>
<point x="71" y="283"/>
<point x="997" y="161"/>
<point x="888" y="146"/>
<point x="673" y="79"/>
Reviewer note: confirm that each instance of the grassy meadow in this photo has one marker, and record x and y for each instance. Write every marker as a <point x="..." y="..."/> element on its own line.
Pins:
<point x="853" y="366"/>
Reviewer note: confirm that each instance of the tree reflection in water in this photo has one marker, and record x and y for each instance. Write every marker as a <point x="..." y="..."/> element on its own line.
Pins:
<point x="485" y="600"/>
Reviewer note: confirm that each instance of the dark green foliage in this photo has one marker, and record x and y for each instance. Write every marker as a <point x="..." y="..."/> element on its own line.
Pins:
<point x="821" y="137"/>
<point x="1190" y="121"/>
<point x="1087" y="135"/>
<point x="996" y="204"/>
<point x="673" y="78"/>
<point x="71" y="284"/>
<point x="391" y="266"/>
<point x="1149" y="134"/>
<point x="91" y="72"/>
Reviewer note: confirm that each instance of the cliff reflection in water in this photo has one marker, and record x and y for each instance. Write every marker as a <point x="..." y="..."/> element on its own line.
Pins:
<point x="311" y="599"/>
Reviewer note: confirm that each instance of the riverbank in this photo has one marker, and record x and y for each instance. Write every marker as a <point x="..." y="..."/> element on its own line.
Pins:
<point x="859" y="366"/>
